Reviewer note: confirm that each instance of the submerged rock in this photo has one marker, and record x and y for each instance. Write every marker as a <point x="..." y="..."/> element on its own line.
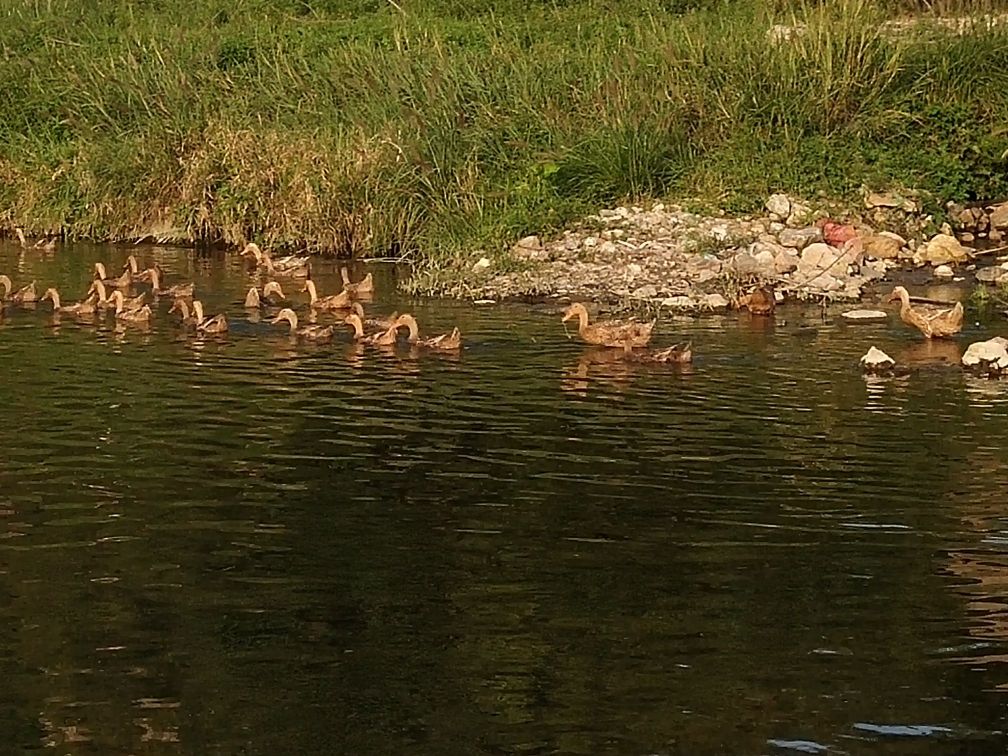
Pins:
<point x="943" y="271"/>
<point x="876" y="361"/>
<point x="865" y="315"/>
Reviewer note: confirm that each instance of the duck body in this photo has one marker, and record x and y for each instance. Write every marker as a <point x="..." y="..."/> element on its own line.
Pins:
<point x="341" y="301"/>
<point x="760" y="301"/>
<point x="364" y="286"/>
<point x="178" y="290"/>
<point x="88" y="306"/>
<point x="126" y="314"/>
<point x="122" y="282"/>
<point x="271" y="292"/>
<point x="677" y="354"/>
<point x="933" y="322"/>
<point x="314" y="333"/>
<point x="24" y="295"/>
<point x="216" y="324"/>
<point x="446" y="342"/>
<point x="386" y="337"/>
<point x="182" y="308"/>
<point x="626" y="334"/>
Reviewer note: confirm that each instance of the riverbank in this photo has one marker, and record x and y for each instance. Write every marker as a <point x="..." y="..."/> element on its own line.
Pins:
<point x="425" y="131"/>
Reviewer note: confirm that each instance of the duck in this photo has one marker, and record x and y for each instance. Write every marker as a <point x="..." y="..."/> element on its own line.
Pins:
<point x="86" y="307"/>
<point x="364" y="286"/>
<point x="291" y="265"/>
<point x="933" y="322"/>
<point x="140" y="314"/>
<point x="341" y="301"/>
<point x="446" y="342"/>
<point x="760" y="301"/>
<point x="386" y="337"/>
<point x="308" y="333"/>
<point x="271" y="289"/>
<point x="216" y="324"/>
<point x="178" y="290"/>
<point x="612" y="333"/>
<point x="381" y="322"/>
<point x="182" y="308"/>
<point x="123" y="282"/>
<point x="24" y="295"/>
<point x="261" y="259"/>
<point x="679" y="354"/>
<point x="132" y="266"/>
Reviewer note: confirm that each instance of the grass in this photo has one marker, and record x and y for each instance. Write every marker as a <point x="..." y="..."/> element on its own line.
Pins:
<point x="421" y="128"/>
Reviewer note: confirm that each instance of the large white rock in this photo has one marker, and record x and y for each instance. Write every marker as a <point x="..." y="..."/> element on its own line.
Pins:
<point x="990" y="353"/>
<point x="779" y="205"/>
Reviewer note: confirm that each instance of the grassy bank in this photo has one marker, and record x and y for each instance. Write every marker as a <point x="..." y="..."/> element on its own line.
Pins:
<point x="416" y="127"/>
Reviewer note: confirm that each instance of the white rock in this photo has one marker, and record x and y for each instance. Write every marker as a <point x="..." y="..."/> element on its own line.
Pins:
<point x="987" y="353"/>
<point x="590" y="241"/>
<point x="678" y="303"/>
<point x="820" y="256"/>
<point x="779" y="205"/>
<point x="482" y="264"/>
<point x="714" y="302"/>
<point x="633" y="270"/>
<point x="800" y="237"/>
<point x="943" y="271"/>
<point x="943" y="248"/>
<point x="865" y="315"/>
<point x="776" y="227"/>
<point x="876" y="359"/>
<point x="786" y="261"/>
<point x="799" y="215"/>
<point x="648" y="291"/>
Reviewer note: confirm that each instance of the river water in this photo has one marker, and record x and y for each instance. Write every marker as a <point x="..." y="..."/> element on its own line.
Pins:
<point x="246" y="545"/>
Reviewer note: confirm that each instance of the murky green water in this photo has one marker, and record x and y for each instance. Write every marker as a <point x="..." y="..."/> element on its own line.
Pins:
<point x="243" y="545"/>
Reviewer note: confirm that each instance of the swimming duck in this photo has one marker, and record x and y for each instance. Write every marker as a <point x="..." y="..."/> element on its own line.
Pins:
<point x="382" y="322"/>
<point x="271" y="292"/>
<point x="341" y="301"/>
<point x="85" y="307"/>
<point x="182" y="308"/>
<point x="123" y="282"/>
<point x="386" y="337"/>
<point x="446" y="342"/>
<point x="309" y="333"/>
<point x="24" y="295"/>
<point x="933" y="322"/>
<point x="132" y="266"/>
<point x="178" y="290"/>
<point x="216" y="324"/>
<point x="140" y="314"/>
<point x="291" y="265"/>
<point x="760" y="301"/>
<point x="612" y="333"/>
<point x="680" y="354"/>
<point x="364" y="286"/>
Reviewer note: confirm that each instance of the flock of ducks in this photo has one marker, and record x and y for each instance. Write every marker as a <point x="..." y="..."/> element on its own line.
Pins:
<point x="115" y="295"/>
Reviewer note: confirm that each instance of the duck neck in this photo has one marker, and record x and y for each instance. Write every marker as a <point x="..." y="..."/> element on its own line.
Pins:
<point x="410" y="322"/>
<point x="55" y="299"/>
<point x="582" y="314"/>
<point x="6" y="283"/>
<point x="355" y="322"/>
<point x="197" y="307"/>
<point x="310" y="285"/>
<point x="292" y="318"/>
<point x="183" y="308"/>
<point x="155" y="280"/>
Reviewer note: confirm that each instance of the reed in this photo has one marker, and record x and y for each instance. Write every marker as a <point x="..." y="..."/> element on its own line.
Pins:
<point x="418" y="128"/>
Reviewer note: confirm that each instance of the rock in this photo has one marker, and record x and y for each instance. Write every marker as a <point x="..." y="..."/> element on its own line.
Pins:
<point x="999" y="217"/>
<point x="995" y="235"/>
<point x="529" y="248"/>
<point x="865" y="315"/>
<point x="965" y="219"/>
<point x="677" y="303"/>
<point x="824" y="283"/>
<point x="714" y="302"/>
<point x="943" y="248"/>
<point x="990" y="354"/>
<point x="882" y="246"/>
<point x="633" y="270"/>
<point x="991" y="275"/>
<point x="648" y="291"/>
<point x="877" y="360"/>
<point x="776" y="227"/>
<point x="778" y="205"/>
<point x="482" y="264"/>
<point x="590" y="241"/>
<point x="876" y="199"/>
<point x="786" y="261"/>
<point x="967" y="238"/>
<point x="946" y="230"/>
<point x="838" y="233"/>
<point x="800" y="214"/>
<point x="799" y="238"/>
<point x="820" y="256"/>
<point x="749" y="264"/>
<point x="943" y="271"/>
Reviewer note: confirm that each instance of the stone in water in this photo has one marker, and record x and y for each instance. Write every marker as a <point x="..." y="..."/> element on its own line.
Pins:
<point x="865" y="315"/>
<point x="876" y="359"/>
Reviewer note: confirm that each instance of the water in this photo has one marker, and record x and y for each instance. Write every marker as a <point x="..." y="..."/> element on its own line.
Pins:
<point x="246" y="545"/>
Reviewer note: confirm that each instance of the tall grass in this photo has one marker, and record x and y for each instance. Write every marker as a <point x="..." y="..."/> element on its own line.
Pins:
<point x="424" y="127"/>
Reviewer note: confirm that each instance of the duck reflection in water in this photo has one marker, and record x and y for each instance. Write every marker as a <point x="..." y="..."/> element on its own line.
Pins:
<point x="930" y="352"/>
<point x="616" y="369"/>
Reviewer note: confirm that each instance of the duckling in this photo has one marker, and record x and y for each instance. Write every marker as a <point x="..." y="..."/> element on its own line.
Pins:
<point x="178" y="290"/>
<point x="308" y="333"/>
<point x="446" y="342"/>
<point x="123" y="282"/>
<point x="271" y="292"/>
<point x="341" y="301"/>
<point x="85" y="307"/>
<point x="24" y="295"/>
<point x="140" y="314"/>
<point x="364" y="286"/>
<point x="382" y="338"/>
<point x="216" y="324"/>
<point x="182" y="308"/>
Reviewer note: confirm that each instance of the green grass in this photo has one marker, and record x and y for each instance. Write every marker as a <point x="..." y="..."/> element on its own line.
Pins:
<point x="425" y="127"/>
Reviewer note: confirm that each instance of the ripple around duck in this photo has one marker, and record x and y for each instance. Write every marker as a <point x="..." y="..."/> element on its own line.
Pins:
<point x="532" y="541"/>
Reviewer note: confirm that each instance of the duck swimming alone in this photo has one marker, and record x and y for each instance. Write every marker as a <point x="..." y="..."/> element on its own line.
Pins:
<point x="933" y="322"/>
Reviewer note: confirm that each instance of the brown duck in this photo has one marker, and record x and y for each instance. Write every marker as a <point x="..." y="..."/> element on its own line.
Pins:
<point x="933" y="322"/>
<point x="612" y="333"/>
